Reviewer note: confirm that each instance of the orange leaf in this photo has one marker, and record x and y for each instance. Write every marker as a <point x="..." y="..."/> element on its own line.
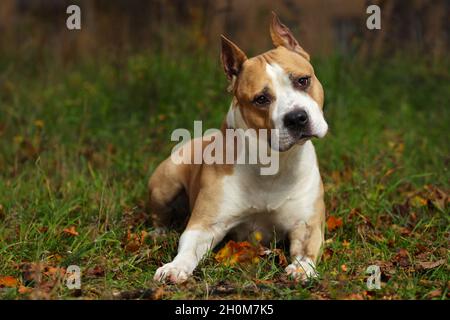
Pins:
<point x="418" y="202"/>
<point x="24" y="290"/>
<point x="8" y="281"/>
<point x="346" y="244"/>
<point x="71" y="231"/>
<point x="238" y="252"/>
<point x="355" y="296"/>
<point x="333" y="223"/>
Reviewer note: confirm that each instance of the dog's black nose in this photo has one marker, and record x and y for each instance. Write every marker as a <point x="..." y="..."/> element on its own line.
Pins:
<point x="296" y="119"/>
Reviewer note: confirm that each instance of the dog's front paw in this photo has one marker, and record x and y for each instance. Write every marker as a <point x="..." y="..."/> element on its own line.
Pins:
<point x="302" y="270"/>
<point x="172" y="273"/>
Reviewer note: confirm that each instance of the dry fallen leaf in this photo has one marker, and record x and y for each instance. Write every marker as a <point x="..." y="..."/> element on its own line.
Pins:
<point x="238" y="252"/>
<point x="159" y="293"/>
<point x="24" y="290"/>
<point x="346" y="244"/>
<point x="71" y="231"/>
<point x="134" y="241"/>
<point x="402" y="258"/>
<point x="438" y="197"/>
<point x="97" y="271"/>
<point x="333" y="223"/>
<point x="418" y="201"/>
<point x="327" y="254"/>
<point x="279" y="254"/>
<point x="425" y="265"/>
<point x="8" y="281"/>
<point x="355" y="296"/>
<point x="435" y="293"/>
<point x="54" y="272"/>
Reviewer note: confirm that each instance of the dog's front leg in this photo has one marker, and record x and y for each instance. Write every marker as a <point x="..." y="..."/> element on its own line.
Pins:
<point x="195" y="242"/>
<point x="306" y="239"/>
<point x="193" y="245"/>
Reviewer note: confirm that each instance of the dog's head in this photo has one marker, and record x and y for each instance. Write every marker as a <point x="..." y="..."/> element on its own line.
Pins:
<point x="275" y="90"/>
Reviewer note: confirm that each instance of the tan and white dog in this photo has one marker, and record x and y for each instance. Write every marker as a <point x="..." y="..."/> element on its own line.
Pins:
<point x="274" y="90"/>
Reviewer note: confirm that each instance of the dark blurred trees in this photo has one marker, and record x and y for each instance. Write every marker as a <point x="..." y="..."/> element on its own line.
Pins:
<point x="322" y="26"/>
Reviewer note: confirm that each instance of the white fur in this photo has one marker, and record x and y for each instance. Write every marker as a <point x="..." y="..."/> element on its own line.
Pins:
<point x="234" y="117"/>
<point x="287" y="99"/>
<point x="192" y="247"/>
<point x="280" y="200"/>
<point x="302" y="268"/>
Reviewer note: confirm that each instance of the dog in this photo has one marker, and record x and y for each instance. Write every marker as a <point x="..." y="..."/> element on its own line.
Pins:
<point x="275" y="90"/>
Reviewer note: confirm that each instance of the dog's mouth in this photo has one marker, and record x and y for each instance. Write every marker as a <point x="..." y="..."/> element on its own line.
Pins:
<point x="302" y="136"/>
<point x="307" y="136"/>
<point x="287" y="143"/>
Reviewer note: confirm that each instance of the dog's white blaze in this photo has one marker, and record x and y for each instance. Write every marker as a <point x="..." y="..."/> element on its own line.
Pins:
<point x="287" y="99"/>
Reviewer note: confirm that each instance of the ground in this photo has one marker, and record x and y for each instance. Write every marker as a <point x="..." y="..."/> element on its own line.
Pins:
<point x="78" y="141"/>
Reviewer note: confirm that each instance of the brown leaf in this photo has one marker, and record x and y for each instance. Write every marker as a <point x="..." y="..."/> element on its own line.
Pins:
<point x="435" y="293"/>
<point x="134" y="241"/>
<point x="159" y="293"/>
<point x="282" y="261"/>
<point x="402" y="258"/>
<point x="333" y="223"/>
<point x="438" y="198"/>
<point x="97" y="271"/>
<point x="401" y="209"/>
<point x="387" y="267"/>
<point x="327" y="254"/>
<point x="8" y="281"/>
<point x="404" y="231"/>
<point x="71" y="231"/>
<point x="356" y="213"/>
<point x="354" y="296"/>
<point x="426" y="265"/>
<point x="54" y="272"/>
<point x="31" y="272"/>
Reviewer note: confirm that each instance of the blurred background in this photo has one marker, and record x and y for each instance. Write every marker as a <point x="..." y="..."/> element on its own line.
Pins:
<point x="324" y="27"/>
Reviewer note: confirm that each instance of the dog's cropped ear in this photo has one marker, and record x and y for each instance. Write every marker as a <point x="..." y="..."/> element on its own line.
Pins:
<point x="282" y="36"/>
<point x="232" y="59"/>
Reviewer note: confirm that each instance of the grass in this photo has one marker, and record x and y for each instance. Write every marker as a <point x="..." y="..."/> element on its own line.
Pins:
<point x="79" y="141"/>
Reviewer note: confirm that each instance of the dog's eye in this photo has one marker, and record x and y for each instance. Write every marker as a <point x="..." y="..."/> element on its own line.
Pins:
<point x="261" y="100"/>
<point x="303" y="82"/>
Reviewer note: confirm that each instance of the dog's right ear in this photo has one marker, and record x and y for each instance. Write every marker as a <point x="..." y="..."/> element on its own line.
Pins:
<point x="232" y="59"/>
<point x="282" y="36"/>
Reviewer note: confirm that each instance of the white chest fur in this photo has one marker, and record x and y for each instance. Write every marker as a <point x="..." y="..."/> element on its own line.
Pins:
<point x="279" y="200"/>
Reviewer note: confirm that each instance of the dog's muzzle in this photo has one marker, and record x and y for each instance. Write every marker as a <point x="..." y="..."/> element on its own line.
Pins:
<point x="297" y="123"/>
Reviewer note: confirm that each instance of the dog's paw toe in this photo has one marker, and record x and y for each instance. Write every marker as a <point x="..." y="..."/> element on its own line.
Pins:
<point x="171" y="273"/>
<point x="302" y="270"/>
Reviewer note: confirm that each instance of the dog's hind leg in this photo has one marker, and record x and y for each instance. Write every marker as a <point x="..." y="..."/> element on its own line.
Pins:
<point x="167" y="198"/>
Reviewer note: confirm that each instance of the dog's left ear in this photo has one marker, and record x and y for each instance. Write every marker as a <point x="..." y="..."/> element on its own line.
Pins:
<point x="282" y="36"/>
